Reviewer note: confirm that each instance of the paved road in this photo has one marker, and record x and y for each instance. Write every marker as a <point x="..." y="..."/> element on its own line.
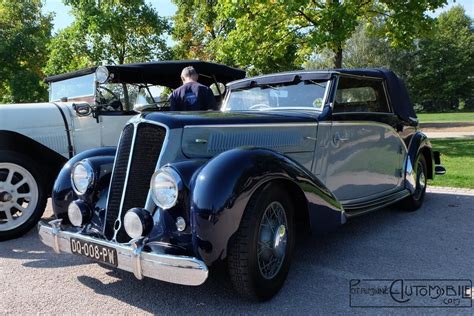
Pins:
<point x="435" y="242"/>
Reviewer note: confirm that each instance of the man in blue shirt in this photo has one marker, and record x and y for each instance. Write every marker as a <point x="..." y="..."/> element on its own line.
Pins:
<point x="192" y="96"/>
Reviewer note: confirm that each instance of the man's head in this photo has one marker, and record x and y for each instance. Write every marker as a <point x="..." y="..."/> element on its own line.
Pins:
<point x="189" y="74"/>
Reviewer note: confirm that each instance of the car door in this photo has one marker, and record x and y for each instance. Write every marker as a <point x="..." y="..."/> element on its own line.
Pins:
<point x="111" y="125"/>
<point x="364" y="152"/>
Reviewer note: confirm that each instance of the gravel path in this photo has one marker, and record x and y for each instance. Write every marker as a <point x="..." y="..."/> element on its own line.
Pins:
<point x="434" y="242"/>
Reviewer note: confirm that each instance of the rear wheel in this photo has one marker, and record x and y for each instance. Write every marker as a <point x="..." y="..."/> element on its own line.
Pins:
<point x="22" y="194"/>
<point x="260" y="256"/>
<point x="414" y="201"/>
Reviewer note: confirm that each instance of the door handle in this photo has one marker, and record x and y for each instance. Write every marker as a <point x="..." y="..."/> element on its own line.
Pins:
<point x="337" y="138"/>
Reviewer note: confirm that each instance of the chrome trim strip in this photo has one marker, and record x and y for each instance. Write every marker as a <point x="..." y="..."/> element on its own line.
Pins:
<point x="169" y="268"/>
<point x="376" y="204"/>
<point x="263" y="125"/>
<point x="116" y="229"/>
<point x="111" y="179"/>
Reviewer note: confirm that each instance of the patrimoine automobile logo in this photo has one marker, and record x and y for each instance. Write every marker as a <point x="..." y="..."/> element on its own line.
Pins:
<point x="411" y="293"/>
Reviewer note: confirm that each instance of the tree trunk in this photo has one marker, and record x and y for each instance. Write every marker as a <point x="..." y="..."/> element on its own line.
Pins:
<point x="338" y="58"/>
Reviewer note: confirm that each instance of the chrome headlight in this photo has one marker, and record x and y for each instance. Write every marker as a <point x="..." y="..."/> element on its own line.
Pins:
<point x="82" y="177"/>
<point x="101" y="74"/>
<point x="165" y="185"/>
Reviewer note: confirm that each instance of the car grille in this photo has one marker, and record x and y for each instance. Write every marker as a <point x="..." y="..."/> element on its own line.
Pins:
<point x="146" y="150"/>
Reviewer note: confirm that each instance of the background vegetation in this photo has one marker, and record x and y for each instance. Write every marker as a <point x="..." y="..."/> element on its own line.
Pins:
<point x="434" y="56"/>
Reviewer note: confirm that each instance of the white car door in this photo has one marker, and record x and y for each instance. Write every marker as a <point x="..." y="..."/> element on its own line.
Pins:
<point x="111" y="125"/>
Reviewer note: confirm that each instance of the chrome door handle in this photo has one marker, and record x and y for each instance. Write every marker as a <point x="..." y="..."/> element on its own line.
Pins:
<point x="337" y="138"/>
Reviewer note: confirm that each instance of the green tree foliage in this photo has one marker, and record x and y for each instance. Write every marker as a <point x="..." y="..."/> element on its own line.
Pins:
<point x="443" y="65"/>
<point x="276" y="35"/>
<point x="117" y="31"/>
<point x="24" y="34"/>
<point x="195" y="27"/>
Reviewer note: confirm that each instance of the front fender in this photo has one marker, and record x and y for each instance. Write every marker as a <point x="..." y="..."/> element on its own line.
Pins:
<point x="221" y="189"/>
<point x="63" y="194"/>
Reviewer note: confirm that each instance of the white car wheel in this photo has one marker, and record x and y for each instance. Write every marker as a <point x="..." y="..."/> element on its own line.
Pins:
<point x="18" y="196"/>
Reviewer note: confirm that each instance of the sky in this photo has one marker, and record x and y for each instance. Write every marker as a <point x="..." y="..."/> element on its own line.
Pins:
<point x="167" y="8"/>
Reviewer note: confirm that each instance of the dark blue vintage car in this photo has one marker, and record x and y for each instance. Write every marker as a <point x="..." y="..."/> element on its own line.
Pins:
<point x="288" y="153"/>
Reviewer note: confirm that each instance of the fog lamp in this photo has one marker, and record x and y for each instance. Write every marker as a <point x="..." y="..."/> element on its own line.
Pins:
<point x="79" y="213"/>
<point x="137" y="222"/>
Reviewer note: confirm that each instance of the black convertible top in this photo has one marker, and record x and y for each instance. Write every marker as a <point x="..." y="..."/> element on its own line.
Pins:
<point x="398" y="93"/>
<point x="164" y="73"/>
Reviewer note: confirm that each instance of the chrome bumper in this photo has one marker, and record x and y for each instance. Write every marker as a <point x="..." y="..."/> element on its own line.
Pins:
<point x="169" y="268"/>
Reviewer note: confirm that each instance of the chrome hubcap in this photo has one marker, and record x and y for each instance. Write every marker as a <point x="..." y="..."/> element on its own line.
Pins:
<point x="18" y="196"/>
<point x="273" y="238"/>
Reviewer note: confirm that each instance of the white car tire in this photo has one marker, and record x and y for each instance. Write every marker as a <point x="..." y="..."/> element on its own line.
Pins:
<point x="23" y="194"/>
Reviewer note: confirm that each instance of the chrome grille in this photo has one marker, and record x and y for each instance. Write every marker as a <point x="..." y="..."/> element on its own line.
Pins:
<point x="145" y="150"/>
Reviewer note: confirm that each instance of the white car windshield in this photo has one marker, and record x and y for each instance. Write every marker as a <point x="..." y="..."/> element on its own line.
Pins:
<point x="307" y="94"/>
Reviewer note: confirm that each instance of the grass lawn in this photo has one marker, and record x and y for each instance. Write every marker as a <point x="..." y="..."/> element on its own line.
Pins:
<point x="446" y="117"/>
<point x="457" y="156"/>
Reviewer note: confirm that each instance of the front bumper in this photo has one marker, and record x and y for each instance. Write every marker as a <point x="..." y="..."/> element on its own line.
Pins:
<point x="130" y="257"/>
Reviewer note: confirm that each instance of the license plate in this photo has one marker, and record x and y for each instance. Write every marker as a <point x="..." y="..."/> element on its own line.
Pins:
<point x="94" y="251"/>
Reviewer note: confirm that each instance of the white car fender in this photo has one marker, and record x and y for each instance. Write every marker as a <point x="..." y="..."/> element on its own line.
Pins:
<point x="42" y="122"/>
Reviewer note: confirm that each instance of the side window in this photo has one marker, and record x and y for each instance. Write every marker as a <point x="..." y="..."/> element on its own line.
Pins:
<point x="360" y="95"/>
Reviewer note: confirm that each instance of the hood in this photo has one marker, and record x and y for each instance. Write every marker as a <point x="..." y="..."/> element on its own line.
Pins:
<point x="206" y="134"/>
<point x="30" y="116"/>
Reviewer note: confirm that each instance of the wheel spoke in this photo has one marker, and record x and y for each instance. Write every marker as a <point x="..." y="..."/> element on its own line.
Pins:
<point x="19" y="184"/>
<point x="19" y="207"/>
<point x="269" y="262"/>
<point x="8" y="214"/>
<point x="23" y="195"/>
<point x="9" y="176"/>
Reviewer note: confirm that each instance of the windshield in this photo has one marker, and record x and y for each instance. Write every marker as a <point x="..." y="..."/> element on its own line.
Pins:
<point x="307" y="94"/>
<point x="73" y="88"/>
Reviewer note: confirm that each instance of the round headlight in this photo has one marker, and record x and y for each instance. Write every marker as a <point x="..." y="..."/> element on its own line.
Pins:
<point x="82" y="177"/>
<point x="165" y="188"/>
<point x="101" y="74"/>
<point x="137" y="222"/>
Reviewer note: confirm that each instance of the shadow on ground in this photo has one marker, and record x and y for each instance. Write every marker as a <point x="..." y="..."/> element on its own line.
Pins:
<point x="434" y="242"/>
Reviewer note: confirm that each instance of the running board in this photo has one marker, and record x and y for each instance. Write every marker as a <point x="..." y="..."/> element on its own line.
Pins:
<point x="355" y="209"/>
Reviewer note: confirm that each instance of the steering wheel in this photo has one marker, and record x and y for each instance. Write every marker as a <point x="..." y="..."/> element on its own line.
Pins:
<point x="115" y="103"/>
<point x="259" y="106"/>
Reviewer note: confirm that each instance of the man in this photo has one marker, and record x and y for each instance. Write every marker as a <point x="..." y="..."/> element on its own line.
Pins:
<point x="192" y="96"/>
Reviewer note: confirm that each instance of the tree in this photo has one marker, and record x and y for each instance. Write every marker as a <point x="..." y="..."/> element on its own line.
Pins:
<point x="117" y="31"/>
<point x="24" y="34"/>
<point x="195" y="27"/>
<point x="443" y="77"/>
<point x="280" y="34"/>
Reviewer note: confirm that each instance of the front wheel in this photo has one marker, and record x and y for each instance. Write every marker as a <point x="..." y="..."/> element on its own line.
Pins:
<point x="414" y="201"/>
<point x="260" y="256"/>
<point x="22" y="195"/>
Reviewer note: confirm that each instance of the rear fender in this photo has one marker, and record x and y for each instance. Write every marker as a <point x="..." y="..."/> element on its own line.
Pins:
<point x="419" y="144"/>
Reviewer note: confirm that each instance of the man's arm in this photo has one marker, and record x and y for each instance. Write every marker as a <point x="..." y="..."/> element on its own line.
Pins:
<point x="211" y="100"/>
<point x="173" y="102"/>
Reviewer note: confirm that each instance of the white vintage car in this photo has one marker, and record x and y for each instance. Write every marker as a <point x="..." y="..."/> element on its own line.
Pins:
<point x="86" y="109"/>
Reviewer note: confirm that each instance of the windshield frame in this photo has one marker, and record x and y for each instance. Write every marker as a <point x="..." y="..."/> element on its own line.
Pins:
<point x="225" y="102"/>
